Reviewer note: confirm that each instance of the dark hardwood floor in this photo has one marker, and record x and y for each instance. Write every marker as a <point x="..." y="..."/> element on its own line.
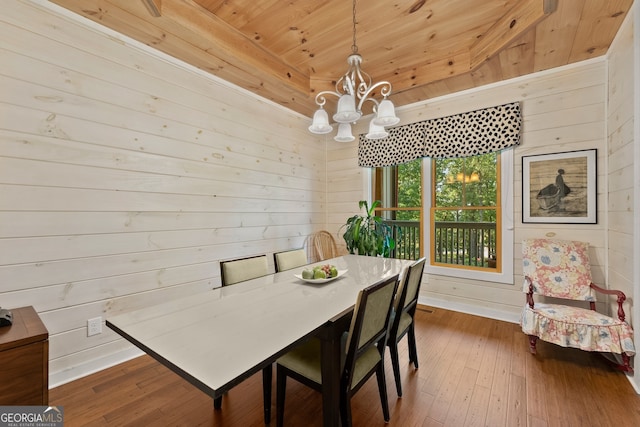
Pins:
<point x="473" y="372"/>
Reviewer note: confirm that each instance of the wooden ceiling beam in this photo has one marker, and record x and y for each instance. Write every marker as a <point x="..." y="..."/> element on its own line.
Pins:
<point x="517" y="21"/>
<point x="232" y="46"/>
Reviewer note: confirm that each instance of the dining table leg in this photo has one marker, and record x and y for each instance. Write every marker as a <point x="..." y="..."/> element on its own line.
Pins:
<point x="331" y="356"/>
<point x="330" y="383"/>
<point x="267" y="375"/>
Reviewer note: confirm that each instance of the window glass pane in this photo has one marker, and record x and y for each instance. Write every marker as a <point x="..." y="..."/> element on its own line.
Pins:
<point x="470" y="181"/>
<point x="399" y="188"/>
<point x="465" y="211"/>
<point x="409" y="188"/>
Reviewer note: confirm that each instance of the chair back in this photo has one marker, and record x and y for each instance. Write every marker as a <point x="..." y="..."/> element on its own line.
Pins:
<point x="557" y="268"/>
<point x="407" y="297"/>
<point x="323" y="246"/>
<point x="290" y="259"/>
<point x="370" y="322"/>
<point x="409" y="289"/>
<point x="239" y="270"/>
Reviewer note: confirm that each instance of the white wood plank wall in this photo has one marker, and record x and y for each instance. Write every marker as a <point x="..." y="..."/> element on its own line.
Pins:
<point x="126" y="176"/>
<point x="621" y="174"/>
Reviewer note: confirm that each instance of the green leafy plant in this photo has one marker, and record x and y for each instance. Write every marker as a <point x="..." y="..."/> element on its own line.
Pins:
<point x="368" y="234"/>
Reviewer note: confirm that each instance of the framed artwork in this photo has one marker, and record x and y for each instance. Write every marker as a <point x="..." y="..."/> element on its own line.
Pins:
<point x="560" y="188"/>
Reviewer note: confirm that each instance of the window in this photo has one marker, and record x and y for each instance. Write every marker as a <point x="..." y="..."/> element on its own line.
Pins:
<point x="399" y="189"/>
<point x="457" y="212"/>
<point x="465" y="212"/>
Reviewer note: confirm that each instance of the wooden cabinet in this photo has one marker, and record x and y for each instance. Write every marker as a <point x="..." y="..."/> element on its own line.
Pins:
<point x="24" y="360"/>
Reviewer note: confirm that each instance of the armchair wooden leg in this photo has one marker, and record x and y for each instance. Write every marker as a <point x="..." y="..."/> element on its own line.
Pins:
<point x="532" y="343"/>
<point x="626" y="363"/>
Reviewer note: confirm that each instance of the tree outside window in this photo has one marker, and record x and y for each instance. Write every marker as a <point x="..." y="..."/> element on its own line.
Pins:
<point x="465" y="212"/>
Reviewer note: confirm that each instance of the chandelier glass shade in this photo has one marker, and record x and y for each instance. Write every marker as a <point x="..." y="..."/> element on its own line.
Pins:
<point x="353" y="89"/>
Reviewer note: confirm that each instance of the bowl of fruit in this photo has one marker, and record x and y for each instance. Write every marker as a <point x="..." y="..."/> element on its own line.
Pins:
<point x="320" y="273"/>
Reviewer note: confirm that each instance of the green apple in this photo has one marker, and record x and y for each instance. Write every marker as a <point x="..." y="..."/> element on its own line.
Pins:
<point x="334" y="271"/>
<point x="307" y="273"/>
<point x="319" y="274"/>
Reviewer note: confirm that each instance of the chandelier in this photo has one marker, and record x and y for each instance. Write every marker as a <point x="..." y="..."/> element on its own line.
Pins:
<point x="352" y="90"/>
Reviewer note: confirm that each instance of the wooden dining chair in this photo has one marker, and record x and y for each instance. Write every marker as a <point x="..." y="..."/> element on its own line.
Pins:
<point x="363" y="355"/>
<point x="236" y="271"/>
<point x="323" y="246"/>
<point x="402" y="319"/>
<point x="289" y="259"/>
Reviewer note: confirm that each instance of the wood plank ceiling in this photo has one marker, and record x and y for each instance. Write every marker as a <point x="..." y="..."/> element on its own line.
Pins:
<point x="287" y="51"/>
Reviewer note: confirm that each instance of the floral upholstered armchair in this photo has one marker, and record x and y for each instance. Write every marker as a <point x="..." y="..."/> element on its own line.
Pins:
<point x="561" y="269"/>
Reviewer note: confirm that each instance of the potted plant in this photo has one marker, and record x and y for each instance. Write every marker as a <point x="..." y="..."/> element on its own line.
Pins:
<point x="368" y="234"/>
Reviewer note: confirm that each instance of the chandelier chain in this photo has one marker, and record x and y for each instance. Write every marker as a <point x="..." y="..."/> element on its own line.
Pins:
<point x="354" y="47"/>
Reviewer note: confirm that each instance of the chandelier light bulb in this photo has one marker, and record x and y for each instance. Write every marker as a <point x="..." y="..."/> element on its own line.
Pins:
<point x="344" y="133"/>
<point x="375" y="131"/>
<point x="347" y="110"/>
<point x="320" y="123"/>
<point x="386" y="114"/>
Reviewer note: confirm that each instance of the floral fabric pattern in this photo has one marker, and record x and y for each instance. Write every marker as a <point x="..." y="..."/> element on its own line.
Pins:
<point x="578" y="328"/>
<point x="558" y="268"/>
<point x="562" y="269"/>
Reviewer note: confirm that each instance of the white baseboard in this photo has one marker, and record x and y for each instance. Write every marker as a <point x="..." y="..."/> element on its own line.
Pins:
<point x="92" y="366"/>
<point x="509" y="314"/>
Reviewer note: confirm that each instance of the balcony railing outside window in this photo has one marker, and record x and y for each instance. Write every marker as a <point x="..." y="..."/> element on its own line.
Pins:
<point x="465" y="243"/>
<point x="407" y="231"/>
<point x="458" y="243"/>
<point x="407" y="235"/>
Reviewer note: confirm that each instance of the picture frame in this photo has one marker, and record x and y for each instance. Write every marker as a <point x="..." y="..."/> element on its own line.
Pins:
<point x="560" y="188"/>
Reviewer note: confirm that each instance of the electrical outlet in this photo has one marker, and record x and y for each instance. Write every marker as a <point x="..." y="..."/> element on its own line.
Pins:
<point x="94" y="326"/>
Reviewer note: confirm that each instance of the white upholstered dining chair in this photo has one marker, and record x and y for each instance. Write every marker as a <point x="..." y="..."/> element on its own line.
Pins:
<point x="288" y="260"/>
<point x="402" y="319"/>
<point x="239" y="270"/>
<point x="363" y="355"/>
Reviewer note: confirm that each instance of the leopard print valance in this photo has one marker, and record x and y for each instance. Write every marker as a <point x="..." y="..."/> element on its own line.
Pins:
<point x="461" y="135"/>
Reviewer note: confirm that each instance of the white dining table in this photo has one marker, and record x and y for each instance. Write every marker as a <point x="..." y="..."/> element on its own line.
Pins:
<point x="218" y="338"/>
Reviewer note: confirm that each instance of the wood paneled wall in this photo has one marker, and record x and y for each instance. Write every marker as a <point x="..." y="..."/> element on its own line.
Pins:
<point x="623" y="172"/>
<point x="620" y="160"/>
<point x="126" y="176"/>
